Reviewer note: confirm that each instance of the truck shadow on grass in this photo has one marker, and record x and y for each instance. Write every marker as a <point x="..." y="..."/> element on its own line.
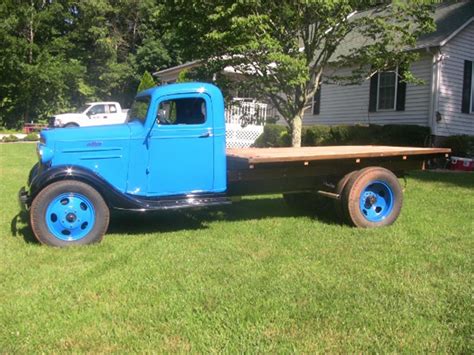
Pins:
<point x="24" y="230"/>
<point x="193" y="219"/>
<point x="129" y="224"/>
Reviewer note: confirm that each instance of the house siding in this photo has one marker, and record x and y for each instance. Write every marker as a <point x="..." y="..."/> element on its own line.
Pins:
<point x="455" y="52"/>
<point x="349" y="105"/>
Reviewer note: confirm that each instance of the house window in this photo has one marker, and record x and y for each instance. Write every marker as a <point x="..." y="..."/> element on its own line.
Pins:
<point x="386" y="96"/>
<point x="387" y="90"/>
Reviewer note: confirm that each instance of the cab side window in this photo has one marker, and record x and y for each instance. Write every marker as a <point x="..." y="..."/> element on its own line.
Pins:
<point x="182" y="111"/>
<point x="97" y="109"/>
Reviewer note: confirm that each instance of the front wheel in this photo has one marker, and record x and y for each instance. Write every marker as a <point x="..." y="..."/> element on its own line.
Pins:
<point x="372" y="197"/>
<point x="69" y="213"/>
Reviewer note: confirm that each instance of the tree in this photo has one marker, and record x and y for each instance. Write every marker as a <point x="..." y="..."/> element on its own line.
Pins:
<point x="284" y="48"/>
<point x="146" y="82"/>
<point x="57" y="54"/>
<point x="37" y="77"/>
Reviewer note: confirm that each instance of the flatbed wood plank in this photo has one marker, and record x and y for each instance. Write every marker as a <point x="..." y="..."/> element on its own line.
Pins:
<point x="277" y="155"/>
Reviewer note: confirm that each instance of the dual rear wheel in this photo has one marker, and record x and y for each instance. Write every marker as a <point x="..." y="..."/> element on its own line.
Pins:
<point x="370" y="197"/>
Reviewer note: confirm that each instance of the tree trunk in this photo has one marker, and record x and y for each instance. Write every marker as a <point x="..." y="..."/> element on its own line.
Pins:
<point x="296" y="125"/>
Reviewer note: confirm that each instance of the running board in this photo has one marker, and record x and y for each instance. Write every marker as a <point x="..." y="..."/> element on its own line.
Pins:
<point x="189" y="201"/>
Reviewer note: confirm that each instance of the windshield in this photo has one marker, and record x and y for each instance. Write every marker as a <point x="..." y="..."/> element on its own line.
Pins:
<point x="82" y="108"/>
<point x="139" y="109"/>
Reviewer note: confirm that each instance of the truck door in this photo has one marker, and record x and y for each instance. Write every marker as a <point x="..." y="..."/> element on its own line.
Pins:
<point x="96" y="114"/>
<point x="181" y="159"/>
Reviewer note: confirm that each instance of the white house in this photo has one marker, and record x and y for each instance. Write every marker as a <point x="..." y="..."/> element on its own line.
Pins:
<point x="445" y="102"/>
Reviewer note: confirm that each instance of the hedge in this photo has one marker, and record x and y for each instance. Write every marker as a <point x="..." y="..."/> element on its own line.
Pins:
<point x="403" y="135"/>
<point x="461" y="145"/>
<point x="10" y="139"/>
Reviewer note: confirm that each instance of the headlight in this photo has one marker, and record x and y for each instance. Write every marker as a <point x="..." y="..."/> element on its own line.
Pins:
<point x="45" y="154"/>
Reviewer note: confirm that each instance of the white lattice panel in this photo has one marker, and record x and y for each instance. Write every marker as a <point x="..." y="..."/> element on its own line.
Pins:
<point x="242" y="137"/>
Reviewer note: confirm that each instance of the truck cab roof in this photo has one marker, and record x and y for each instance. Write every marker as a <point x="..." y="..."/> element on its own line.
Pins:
<point x="102" y="103"/>
<point x="181" y="88"/>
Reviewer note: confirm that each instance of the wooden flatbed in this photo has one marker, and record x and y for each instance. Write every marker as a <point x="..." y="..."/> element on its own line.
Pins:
<point x="260" y="170"/>
<point x="282" y="155"/>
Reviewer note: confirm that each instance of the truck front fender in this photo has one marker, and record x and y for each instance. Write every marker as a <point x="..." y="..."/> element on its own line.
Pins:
<point x="113" y="197"/>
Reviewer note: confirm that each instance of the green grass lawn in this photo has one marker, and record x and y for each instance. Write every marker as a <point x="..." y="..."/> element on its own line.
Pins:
<point x="253" y="276"/>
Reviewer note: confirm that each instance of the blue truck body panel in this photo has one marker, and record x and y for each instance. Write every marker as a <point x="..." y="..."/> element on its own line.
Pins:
<point x="148" y="158"/>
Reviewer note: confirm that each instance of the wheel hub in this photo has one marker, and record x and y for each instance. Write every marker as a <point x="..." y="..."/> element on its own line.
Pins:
<point x="376" y="201"/>
<point x="70" y="216"/>
<point x="371" y="200"/>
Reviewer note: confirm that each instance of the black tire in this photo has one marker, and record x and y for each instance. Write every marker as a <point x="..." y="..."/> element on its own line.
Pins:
<point x="46" y="197"/>
<point x="339" y="190"/>
<point x="71" y="125"/>
<point x="355" y="212"/>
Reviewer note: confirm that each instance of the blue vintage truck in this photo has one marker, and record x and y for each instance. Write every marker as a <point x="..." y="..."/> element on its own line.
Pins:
<point x="171" y="153"/>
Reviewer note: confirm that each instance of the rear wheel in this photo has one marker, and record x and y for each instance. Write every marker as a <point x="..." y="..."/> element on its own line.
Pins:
<point x="69" y="213"/>
<point x="71" y="125"/>
<point x="372" y="197"/>
<point x="338" y="208"/>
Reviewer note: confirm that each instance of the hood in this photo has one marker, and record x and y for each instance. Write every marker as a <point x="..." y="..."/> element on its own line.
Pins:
<point x="89" y="134"/>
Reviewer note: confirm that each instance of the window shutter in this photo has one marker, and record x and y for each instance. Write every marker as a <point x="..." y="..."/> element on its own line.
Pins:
<point x="317" y="101"/>
<point x="466" y="86"/>
<point x="401" y="89"/>
<point x="374" y="80"/>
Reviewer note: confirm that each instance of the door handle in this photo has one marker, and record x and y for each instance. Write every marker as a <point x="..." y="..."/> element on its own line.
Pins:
<point x="205" y="135"/>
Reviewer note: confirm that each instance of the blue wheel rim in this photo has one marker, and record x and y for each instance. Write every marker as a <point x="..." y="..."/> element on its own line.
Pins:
<point x="70" y="216"/>
<point x="376" y="201"/>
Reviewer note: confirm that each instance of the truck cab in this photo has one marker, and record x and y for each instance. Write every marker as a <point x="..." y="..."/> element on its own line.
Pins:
<point x="172" y="144"/>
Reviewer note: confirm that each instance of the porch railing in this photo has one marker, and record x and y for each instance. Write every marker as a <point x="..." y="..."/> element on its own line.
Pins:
<point x="244" y="119"/>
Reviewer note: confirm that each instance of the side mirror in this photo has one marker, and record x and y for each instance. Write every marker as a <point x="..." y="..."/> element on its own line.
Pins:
<point x="161" y="117"/>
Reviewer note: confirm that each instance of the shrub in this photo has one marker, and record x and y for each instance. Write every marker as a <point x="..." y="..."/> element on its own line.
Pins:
<point x="408" y="135"/>
<point x="9" y="139"/>
<point x="461" y="145"/>
<point x="316" y="135"/>
<point x="31" y="137"/>
<point x="273" y="136"/>
<point x="404" y="135"/>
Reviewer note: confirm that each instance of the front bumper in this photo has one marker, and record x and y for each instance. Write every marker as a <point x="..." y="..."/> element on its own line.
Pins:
<point x="23" y="199"/>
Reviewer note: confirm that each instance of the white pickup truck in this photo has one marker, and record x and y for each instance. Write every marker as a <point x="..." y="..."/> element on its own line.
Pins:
<point x="92" y="114"/>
